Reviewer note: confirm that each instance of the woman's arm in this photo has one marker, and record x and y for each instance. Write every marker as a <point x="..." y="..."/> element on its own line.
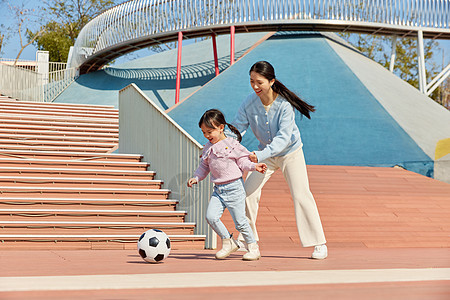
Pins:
<point x="240" y="119"/>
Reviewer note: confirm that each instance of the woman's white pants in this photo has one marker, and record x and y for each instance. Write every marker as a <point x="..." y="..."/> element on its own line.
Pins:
<point x="307" y="216"/>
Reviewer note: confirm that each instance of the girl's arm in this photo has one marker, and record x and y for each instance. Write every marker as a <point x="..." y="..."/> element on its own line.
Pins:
<point x="242" y="158"/>
<point x="282" y="137"/>
<point x="202" y="170"/>
<point x="245" y="164"/>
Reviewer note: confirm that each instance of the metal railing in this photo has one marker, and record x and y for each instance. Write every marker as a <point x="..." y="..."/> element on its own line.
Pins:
<point x="58" y="81"/>
<point x="139" y="23"/>
<point x="22" y="84"/>
<point x="32" y="64"/>
<point x="146" y="129"/>
<point x="28" y="85"/>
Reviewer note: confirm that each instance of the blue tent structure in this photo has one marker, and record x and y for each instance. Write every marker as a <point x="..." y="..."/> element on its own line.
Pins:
<point x="365" y="115"/>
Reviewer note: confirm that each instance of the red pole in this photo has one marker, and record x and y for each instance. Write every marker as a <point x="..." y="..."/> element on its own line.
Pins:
<point x="232" y="30"/>
<point x="177" y="89"/>
<point x="216" y="61"/>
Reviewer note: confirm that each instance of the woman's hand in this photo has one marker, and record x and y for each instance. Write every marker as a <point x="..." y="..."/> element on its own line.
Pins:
<point x="191" y="182"/>
<point x="253" y="157"/>
<point x="261" y="168"/>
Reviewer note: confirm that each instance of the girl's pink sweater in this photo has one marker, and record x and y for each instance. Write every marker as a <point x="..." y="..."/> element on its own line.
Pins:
<point x="226" y="160"/>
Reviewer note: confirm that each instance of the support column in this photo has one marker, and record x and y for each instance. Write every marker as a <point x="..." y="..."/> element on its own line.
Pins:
<point x="216" y="60"/>
<point x="42" y="64"/>
<point x="178" y="82"/>
<point x="232" y="30"/>
<point x="438" y="80"/>
<point x="393" y="53"/>
<point x="421" y="57"/>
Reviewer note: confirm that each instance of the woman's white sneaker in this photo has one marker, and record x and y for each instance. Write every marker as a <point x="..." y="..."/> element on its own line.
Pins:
<point x="320" y="252"/>
<point x="253" y="252"/>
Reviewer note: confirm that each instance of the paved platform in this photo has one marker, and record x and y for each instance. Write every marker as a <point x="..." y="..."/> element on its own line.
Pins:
<point x="388" y="235"/>
<point x="407" y="273"/>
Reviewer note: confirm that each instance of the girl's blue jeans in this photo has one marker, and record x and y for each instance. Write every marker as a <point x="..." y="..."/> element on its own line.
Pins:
<point x="232" y="196"/>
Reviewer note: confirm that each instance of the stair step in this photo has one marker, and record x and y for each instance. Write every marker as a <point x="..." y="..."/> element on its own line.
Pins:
<point x="85" y="192"/>
<point x="53" y="148"/>
<point x="58" y="112"/>
<point x="4" y="100"/>
<point x="25" y="162"/>
<point x="69" y="172"/>
<point x="92" y="241"/>
<point x="78" y="181"/>
<point x="63" y="129"/>
<point x="56" y="203"/>
<point x="90" y="212"/>
<point x="58" y="139"/>
<point x="78" y="120"/>
<point x="72" y="155"/>
<point x="55" y="142"/>
<point x="52" y="237"/>
<point x="59" y="123"/>
<point x="92" y="227"/>
<point x="123" y="215"/>
<point x="38" y="133"/>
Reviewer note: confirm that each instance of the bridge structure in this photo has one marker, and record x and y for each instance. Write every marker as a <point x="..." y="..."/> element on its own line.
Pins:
<point x="139" y="24"/>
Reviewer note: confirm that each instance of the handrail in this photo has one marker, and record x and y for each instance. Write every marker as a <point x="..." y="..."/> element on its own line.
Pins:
<point x="28" y="85"/>
<point x="137" y="24"/>
<point x="146" y="129"/>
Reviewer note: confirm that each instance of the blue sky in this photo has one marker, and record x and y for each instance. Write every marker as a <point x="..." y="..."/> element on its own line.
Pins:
<point x="12" y="47"/>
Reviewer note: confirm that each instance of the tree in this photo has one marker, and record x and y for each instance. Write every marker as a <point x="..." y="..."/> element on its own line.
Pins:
<point x="66" y="19"/>
<point x="2" y="38"/>
<point x="444" y="98"/>
<point x="24" y="18"/>
<point x="3" y="29"/>
<point x="379" y="49"/>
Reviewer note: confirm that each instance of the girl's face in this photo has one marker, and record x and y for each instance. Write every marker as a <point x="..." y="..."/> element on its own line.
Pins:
<point x="260" y="84"/>
<point x="213" y="135"/>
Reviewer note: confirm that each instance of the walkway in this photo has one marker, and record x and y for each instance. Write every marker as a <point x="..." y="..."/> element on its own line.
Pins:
<point x="403" y="251"/>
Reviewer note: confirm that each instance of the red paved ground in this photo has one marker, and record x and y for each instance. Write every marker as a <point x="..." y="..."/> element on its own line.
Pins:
<point x="374" y="218"/>
<point x="435" y="290"/>
<point x="361" y="207"/>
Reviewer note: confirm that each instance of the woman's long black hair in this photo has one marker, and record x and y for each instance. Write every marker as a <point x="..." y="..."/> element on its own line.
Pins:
<point x="265" y="69"/>
<point x="213" y="118"/>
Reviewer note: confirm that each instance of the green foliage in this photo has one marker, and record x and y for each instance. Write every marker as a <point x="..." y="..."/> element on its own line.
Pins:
<point x="379" y="49"/>
<point x="54" y="40"/>
<point x="66" y="19"/>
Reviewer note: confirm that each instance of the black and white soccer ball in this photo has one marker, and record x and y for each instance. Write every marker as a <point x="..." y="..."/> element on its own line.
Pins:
<point x="154" y="245"/>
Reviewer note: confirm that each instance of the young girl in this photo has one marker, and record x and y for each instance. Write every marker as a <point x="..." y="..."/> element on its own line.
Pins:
<point x="270" y="113"/>
<point x="225" y="158"/>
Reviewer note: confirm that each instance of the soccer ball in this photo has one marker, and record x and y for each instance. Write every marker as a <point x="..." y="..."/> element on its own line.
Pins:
<point x="154" y="245"/>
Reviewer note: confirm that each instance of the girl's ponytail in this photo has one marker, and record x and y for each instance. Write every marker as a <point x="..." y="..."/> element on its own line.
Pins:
<point x="266" y="69"/>
<point x="235" y="131"/>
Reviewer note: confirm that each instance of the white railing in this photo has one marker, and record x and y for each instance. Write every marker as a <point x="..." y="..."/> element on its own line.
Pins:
<point x="138" y="21"/>
<point x="21" y="83"/>
<point x="146" y="129"/>
<point x="28" y="85"/>
<point x="19" y="63"/>
<point x="58" y="81"/>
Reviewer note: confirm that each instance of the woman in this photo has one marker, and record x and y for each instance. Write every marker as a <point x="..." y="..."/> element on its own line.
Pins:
<point x="270" y="114"/>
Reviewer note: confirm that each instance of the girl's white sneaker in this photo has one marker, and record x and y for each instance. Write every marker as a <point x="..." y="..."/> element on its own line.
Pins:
<point x="228" y="246"/>
<point x="320" y="252"/>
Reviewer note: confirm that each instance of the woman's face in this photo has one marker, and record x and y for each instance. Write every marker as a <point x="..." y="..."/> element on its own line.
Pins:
<point x="213" y="135"/>
<point x="260" y="84"/>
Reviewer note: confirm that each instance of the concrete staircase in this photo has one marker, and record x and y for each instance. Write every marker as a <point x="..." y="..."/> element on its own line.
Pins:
<point x="61" y="187"/>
